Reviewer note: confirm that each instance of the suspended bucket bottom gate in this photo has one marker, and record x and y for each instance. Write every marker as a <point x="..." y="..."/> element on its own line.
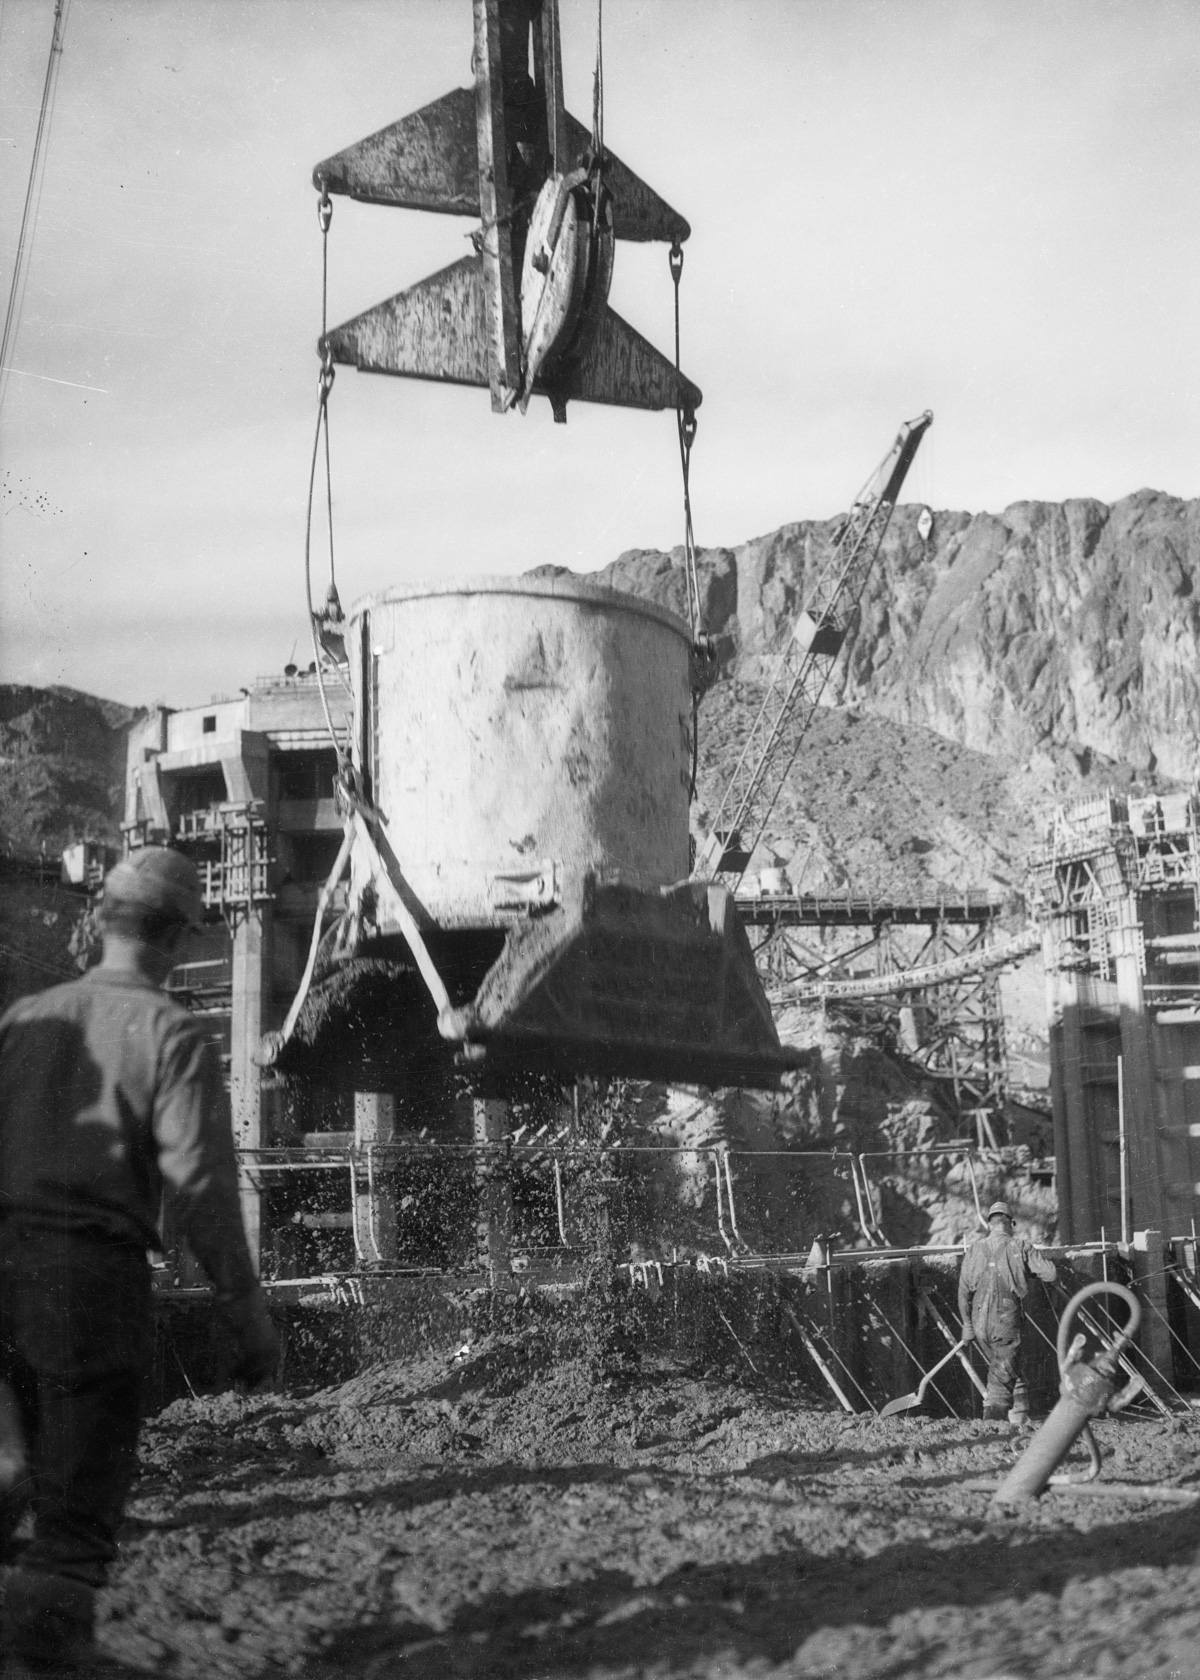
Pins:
<point x="614" y="980"/>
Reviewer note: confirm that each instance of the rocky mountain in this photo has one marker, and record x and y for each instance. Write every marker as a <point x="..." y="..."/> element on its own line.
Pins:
<point x="1048" y="629"/>
<point x="1000" y="663"/>
<point x="62" y="768"/>
<point x="62" y="778"/>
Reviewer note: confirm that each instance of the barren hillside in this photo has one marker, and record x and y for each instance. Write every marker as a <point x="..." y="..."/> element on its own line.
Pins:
<point x="1051" y="630"/>
<point x="1007" y="662"/>
<point x="62" y="768"/>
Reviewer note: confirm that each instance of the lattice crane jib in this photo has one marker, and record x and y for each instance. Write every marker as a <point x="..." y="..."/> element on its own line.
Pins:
<point x="804" y="667"/>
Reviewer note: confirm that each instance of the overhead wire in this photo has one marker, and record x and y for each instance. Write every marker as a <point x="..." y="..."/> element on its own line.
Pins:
<point x="20" y="273"/>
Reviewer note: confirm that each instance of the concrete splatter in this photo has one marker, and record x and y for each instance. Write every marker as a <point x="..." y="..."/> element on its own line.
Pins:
<point x="495" y="1512"/>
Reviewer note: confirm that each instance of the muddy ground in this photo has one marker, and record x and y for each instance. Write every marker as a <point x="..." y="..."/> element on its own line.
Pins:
<point x="493" y="1511"/>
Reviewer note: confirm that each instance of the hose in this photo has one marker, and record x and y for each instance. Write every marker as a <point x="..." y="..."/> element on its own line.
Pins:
<point x="1121" y="1340"/>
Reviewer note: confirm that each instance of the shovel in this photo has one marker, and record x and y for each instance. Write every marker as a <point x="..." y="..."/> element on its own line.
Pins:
<point x="906" y="1402"/>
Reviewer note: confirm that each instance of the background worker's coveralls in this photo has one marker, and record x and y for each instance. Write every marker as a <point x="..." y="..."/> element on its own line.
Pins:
<point x="107" y="1088"/>
<point x="992" y="1284"/>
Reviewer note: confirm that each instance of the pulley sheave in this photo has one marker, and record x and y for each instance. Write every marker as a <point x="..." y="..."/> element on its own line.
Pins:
<point x="566" y="275"/>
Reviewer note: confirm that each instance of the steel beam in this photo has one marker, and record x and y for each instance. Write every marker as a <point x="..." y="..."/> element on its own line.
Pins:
<point x="429" y="161"/>
<point x="440" y="329"/>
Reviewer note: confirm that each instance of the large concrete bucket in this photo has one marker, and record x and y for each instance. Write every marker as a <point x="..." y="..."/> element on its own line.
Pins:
<point x="511" y="730"/>
<point x="524" y="750"/>
<point x="640" y="984"/>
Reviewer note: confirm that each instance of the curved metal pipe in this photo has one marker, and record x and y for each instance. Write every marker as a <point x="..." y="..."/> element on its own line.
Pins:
<point x="1120" y="1341"/>
<point x="1086" y="1392"/>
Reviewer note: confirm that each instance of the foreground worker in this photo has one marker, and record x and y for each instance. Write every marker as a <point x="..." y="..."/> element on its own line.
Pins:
<point x="992" y="1284"/>
<point x="108" y="1090"/>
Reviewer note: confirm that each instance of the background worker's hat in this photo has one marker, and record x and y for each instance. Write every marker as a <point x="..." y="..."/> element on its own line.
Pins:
<point x="999" y="1207"/>
<point x="157" y="881"/>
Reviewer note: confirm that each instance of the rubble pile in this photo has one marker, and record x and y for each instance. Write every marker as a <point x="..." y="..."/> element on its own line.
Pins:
<point x="485" y="1510"/>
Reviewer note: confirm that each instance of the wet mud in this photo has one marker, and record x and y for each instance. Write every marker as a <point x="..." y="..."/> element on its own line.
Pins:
<point x="497" y="1512"/>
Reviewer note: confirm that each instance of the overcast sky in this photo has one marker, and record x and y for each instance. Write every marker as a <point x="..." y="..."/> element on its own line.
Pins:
<point x="988" y="209"/>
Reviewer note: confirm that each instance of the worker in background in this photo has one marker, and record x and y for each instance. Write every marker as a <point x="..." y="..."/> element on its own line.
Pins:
<point x="108" y="1091"/>
<point x="992" y="1284"/>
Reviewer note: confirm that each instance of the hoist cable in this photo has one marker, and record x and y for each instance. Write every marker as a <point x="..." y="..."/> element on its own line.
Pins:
<point x="685" y="423"/>
<point x="548" y="75"/>
<point x="324" y="387"/>
<point x="598" y="85"/>
<point x="16" y="289"/>
<point x="325" y="217"/>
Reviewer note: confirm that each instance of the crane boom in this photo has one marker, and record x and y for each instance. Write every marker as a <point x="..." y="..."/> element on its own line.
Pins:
<point x="804" y="667"/>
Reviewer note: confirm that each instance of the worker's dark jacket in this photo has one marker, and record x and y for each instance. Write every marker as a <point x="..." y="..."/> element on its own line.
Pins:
<point x="107" y="1088"/>
<point x="994" y="1281"/>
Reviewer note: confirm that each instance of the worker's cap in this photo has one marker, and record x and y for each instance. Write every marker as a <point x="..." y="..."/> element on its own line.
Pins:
<point x="158" y="882"/>
<point x="999" y="1207"/>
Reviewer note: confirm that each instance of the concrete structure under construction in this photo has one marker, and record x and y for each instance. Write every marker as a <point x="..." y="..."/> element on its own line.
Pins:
<point x="243" y="786"/>
<point x="1118" y="881"/>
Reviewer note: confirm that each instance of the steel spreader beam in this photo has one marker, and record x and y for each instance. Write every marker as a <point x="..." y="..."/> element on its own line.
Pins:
<point x="429" y="161"/>
<point x="438" y="329"/>
<point x="486" y="151"/>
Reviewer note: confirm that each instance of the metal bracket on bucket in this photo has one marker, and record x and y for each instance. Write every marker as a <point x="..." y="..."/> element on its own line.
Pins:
<point x="538" y="888"/>
<point x="388" y="886"/>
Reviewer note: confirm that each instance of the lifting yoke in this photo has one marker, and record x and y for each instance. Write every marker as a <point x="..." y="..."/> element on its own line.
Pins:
<point x="527" y="312"/>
